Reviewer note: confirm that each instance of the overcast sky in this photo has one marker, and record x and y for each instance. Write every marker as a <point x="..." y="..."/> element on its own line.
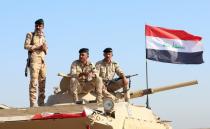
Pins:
<point x="71" y="25"/>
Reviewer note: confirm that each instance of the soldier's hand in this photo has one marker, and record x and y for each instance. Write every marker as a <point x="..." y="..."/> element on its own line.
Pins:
<point x="82" y="74"/>
<point x="125" y="81"/>
<point x="34" y="48"/>
<point x="92" y="75"/>
<point x="44" y="47"/>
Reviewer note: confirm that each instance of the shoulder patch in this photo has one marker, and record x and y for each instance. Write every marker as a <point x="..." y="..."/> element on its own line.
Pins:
<point x="114" y="62"/>
<point x="91" y="64"/>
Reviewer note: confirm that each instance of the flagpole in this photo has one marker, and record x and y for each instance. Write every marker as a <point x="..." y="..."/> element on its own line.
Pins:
<point x="147" y="83"/>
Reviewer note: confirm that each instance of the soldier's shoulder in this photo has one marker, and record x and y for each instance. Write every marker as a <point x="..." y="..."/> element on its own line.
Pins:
<point x="99" y="62"/>
<point x="91" y="63"/>
<point x="114" y="62"/>
<point x="30" y="33"/>
<point x="75" y="62"/>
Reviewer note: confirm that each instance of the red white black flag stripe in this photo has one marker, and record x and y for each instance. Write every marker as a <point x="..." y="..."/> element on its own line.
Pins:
<point x="173" y="46"/>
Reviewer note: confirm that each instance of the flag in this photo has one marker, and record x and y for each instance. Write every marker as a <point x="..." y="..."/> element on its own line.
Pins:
<point x="173" y="46"/>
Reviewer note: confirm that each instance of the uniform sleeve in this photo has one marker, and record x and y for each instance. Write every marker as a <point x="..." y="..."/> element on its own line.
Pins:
<point x="98" y="68"/>
<point x="118" y="71"/>
<point x="27" y="44"/>
<point x="94" y="70"/>
<point x="73" y="70"/>
<point x="45" y="43"/>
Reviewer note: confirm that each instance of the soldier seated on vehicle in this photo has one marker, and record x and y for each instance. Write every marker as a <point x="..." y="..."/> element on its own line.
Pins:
<point x="84" y="77"/>
<point x="107" y="69"/>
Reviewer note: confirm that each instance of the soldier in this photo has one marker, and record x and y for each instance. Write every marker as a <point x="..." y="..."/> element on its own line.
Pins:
<point x="84" y="77"/>
<point x="107" y="69"/>
<point x="36" y="45"/>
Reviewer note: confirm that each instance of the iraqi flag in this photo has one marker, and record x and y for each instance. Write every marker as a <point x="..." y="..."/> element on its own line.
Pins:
<point x="173" y="46"/>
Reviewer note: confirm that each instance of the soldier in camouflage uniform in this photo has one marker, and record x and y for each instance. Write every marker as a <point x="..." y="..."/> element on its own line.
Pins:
<point x="107" y="69"/>
<point x="84" y="77"/>
<point x="36" y="45"/>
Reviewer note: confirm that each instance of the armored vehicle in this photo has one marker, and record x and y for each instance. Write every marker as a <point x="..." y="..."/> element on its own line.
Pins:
<point x="61" y="113"/>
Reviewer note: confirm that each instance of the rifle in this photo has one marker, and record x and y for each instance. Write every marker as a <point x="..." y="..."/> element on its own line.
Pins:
<point x="26" y="68"/>
<point x="127" y="76"/>
<point x="116" y="79"/>
<point x="64" y="75"/>
<point x="28" y="60"/>
<point x="81" y="74"/>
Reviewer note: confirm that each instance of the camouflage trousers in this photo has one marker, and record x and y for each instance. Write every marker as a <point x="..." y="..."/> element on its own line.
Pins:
<point x="37" y="80"/>
<point x="77" y="86"/>
<point x="116" y="85"/>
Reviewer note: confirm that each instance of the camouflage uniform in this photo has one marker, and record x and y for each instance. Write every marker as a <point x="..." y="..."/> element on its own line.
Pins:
<point x="107" y="72"/>
<point x="37" y="67"/>
<point x="85" y="84"/>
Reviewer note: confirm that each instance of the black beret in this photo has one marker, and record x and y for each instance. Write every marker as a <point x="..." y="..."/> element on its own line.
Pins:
<point x="106" y="50"/>
<point x="84" y="50"/>
<point x="39" y="21"/>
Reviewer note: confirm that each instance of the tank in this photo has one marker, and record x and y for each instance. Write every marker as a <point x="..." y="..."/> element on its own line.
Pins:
<point x="61" y="113"/>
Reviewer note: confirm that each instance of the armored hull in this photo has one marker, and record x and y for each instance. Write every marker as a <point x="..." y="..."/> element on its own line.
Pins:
<point x="88" y="116"/>
<point x="61" y="112"/>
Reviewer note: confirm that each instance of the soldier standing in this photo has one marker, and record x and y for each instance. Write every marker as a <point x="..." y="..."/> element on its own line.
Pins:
<point x="84" y="77"/>
<point x="107" y="69"/>
<point x="36" y="45"/>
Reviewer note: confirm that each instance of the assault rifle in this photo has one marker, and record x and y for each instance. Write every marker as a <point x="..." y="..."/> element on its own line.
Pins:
<point x="116" y="79"/>
<point x="28" y="60"/>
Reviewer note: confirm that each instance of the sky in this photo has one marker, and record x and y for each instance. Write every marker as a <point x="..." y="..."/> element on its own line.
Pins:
<point x="71" y="25"/>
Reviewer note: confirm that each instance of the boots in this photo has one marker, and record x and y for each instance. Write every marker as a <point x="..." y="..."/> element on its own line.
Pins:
<point x="40" y="102"/>
<point x="32" y="104"/>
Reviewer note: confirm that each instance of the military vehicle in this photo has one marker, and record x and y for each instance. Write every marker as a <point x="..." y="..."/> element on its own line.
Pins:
<point x="61" y="113"/>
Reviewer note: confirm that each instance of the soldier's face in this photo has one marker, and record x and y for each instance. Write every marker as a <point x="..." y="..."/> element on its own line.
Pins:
<point x="108" y="56"/>
<point x="83" y="57"/>
<point x="39" y="27"/>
